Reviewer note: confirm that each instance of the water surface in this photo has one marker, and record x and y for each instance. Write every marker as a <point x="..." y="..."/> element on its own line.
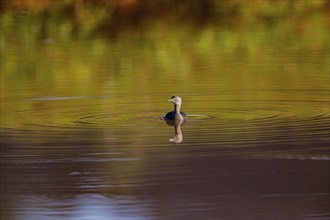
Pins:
<point x="82" y="100"/>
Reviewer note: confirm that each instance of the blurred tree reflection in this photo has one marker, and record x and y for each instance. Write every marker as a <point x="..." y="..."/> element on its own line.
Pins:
<point x="46" y="40"/>
<point x="110" y="17"/>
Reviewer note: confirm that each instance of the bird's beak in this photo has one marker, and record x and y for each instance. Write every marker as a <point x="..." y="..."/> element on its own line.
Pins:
<point x="171" y="100"/>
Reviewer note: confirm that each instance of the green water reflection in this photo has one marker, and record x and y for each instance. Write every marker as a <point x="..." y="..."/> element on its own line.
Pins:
<point x="230" y="51"/>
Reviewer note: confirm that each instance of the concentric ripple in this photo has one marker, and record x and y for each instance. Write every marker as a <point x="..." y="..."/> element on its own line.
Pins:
<point x="190" y="117"/>
<point x="254" y="122"/>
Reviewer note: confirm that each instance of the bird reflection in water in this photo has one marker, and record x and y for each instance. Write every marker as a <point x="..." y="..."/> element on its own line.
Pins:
<point x="176" y="118"/>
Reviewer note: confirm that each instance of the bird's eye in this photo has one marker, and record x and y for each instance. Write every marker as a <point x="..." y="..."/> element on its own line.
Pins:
<point x="172" y="97"/>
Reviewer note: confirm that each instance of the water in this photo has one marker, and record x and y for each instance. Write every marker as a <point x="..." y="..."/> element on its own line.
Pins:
<point x="82" y="135"/>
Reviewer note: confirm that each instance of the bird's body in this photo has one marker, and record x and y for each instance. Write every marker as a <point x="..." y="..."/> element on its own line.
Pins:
<point x="176" y="114"/>
<point x="171" y="115"/>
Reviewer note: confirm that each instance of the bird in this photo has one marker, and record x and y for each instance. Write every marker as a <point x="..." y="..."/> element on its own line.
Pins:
<point x="176" y="114"/>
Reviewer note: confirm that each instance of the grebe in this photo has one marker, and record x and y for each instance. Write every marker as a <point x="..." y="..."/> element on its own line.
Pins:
<point x="176" y="114"/>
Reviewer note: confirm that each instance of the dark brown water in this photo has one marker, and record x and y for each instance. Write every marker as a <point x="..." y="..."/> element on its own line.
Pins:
<point x="82" y="99"/>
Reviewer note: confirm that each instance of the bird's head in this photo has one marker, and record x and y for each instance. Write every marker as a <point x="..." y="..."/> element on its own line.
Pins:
<point x="176" y="100"/>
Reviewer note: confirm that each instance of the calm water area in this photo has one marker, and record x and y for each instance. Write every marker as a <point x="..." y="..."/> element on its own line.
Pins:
<point x="85" y="84"/>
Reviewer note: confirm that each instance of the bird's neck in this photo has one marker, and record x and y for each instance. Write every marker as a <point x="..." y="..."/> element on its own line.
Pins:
<point x="177" y="110"/>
